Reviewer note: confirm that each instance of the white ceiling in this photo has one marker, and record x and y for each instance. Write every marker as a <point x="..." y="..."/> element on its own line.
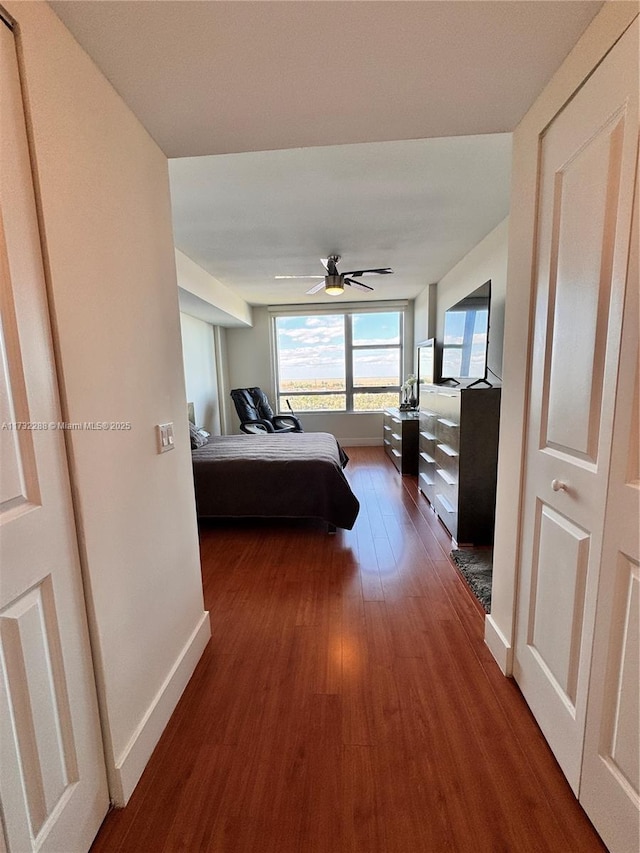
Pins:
<point x="218" y="78"/>
<point x="416" y="206"/>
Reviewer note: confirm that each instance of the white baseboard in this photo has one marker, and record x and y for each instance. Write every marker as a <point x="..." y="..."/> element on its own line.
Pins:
<point x="498" y="645"/>
<point x="359" y="442"/>
<point x="134" y="758"/>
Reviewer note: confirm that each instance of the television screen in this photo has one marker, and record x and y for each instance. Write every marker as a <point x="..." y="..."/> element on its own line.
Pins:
<point x="466" y="336"/>
<point x="427" y="373"/>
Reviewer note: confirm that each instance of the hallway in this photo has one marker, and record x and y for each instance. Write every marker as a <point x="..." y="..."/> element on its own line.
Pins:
<point x="347" y="702"/>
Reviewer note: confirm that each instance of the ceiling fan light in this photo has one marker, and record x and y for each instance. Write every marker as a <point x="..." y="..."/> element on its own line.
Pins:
<point x="333" y="285"/>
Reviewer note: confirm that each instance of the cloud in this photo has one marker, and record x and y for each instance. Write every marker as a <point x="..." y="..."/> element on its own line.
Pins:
<point x="312" y="357"/>
<point x="389" y="357"/>
<point x="312" y="348"/>
<point x="377" y="342"/>
<point x="318" y="334"/>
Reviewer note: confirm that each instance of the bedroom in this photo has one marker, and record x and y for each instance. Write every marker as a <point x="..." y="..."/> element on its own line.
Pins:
<point x="250" y="217"/>
<point x="103" y="199"/>
<point x="251" y="231"/>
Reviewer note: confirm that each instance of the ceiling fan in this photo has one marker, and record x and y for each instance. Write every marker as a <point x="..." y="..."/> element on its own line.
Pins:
<point x="334" y="282"/>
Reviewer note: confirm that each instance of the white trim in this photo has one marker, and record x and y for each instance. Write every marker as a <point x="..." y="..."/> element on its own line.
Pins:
<point x="134" y="757"/>
<point x="339" y="308"/>
<point x="498" y="645"/>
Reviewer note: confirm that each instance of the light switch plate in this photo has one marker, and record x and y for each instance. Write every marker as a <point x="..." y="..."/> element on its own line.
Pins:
<point x="164" y="433"/>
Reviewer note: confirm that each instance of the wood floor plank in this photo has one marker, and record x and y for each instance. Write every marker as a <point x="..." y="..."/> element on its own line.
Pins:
<point x="347" y="702"/>
<point x="363" y="825"/>
<point x="368" y="567"/>
<point x="321" y="827"/>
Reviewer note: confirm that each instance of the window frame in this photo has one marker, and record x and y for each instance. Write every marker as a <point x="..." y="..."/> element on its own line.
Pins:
<point x="350" y="390"/>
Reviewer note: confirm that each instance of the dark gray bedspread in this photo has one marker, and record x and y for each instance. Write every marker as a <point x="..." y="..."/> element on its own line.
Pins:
<point x="292" y="475"/>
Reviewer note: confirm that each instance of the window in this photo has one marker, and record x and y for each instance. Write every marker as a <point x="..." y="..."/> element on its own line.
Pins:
<point x="339" y="362"/>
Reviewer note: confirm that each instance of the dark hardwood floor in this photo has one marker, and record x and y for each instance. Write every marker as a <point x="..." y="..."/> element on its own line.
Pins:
<point x="347" y="702"/>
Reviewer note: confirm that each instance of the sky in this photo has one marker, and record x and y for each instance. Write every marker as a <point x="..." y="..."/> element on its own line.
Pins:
<point x="454" y="335"/>
<point x="313" y="347"/>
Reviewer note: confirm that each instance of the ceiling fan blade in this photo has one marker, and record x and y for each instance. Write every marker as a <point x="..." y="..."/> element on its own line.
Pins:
<point x="316" y="287"/>
<point x="381" y="271"/>
<point x="352" y="283"/>
<point x="298" y="276"/>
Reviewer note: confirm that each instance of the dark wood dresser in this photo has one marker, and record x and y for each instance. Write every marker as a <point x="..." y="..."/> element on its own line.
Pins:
<point x="458" y="458"/>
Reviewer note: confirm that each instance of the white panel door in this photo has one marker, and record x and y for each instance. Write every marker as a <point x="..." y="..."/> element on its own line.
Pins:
<point x="53" y="789"/>
<point x="587" y="166"/>
<point x="610" y="784"/>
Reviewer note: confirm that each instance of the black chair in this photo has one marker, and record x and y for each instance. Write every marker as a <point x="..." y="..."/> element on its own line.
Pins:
<point x="257" y="416"/>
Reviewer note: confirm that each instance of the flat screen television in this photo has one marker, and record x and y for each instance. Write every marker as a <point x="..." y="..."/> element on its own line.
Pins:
<point x="428" y="372"/>
<point x="466" y="338"/>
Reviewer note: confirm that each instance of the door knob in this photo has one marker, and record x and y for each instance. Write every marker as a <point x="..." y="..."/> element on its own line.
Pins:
<point x="558" y="486"/>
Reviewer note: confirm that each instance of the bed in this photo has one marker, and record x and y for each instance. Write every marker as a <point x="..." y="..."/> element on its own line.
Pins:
<point x="287" y="475"/>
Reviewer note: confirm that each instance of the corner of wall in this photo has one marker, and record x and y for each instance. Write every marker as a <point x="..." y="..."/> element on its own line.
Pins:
<point x="131" y="762"/>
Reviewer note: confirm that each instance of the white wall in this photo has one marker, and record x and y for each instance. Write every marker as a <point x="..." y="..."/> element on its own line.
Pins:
<point x="352" y="429"/>
<point x="200" y="375"/>
<point x="250" y="362"/>
<point x="104" y="203"/>
<point x="424" y="313"/>
<point x="207" y="298"/>
<point x="424" y="317"/>
<point x="227" y="410"/>
<point x="487" y="260"/>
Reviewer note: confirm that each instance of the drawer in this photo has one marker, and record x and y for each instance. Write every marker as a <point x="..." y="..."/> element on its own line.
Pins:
<point x="448" y="491"/>
<point x="426" y="487"/>
<point x="396" y="457"/>
<point x="427" y="414"/>
<point x="427" y="449"/>
<point x="428" y="421"/>
<point x="427" y="466"/>
<point x="426" y="455"/>
<point x="448" y="433"/>
<point x="425" y="478"/>
<point x="447" y="404"/>
<point x="446" y="511"/>
<point x="445" y="476"/>
<point x="426" y="434"/>
<point x="447" y="461"/>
